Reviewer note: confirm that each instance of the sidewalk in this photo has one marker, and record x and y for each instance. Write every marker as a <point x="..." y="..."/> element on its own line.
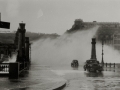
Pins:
<point x="46" y="84"/>
<point x="41" y="78"/>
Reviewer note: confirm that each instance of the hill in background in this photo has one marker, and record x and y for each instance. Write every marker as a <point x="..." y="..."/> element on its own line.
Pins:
<point x="9" y="37"/>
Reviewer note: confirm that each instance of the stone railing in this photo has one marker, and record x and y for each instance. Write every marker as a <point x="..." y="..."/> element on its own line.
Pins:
<point x="13" y="70"/>
<point x="4" y="68"/>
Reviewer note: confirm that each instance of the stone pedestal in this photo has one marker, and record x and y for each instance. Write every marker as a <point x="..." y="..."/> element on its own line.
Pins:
<point x="13" y="70"/>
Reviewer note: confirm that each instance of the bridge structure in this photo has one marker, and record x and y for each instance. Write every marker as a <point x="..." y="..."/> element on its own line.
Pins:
<point x="22" y="48"/>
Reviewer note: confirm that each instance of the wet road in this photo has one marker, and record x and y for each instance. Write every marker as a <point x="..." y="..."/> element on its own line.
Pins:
<point x="77" y="79"/>
<point x="45" y="78"/>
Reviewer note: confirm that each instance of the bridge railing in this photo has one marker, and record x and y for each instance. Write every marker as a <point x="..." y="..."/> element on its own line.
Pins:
<point x="23" y="66"/>
<point x="13" y="69"/>
<point x="4" y="68"/>
<point x="111" y="65"/>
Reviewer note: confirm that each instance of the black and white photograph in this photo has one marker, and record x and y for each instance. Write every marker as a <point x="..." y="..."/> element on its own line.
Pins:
<point x="59" y="44"/>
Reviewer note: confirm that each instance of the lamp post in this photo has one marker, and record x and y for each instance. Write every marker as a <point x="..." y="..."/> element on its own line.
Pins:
<point x="102" y="62"/>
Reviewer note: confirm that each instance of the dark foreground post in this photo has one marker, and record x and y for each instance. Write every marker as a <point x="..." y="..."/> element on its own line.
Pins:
<point x="13" y="70"/>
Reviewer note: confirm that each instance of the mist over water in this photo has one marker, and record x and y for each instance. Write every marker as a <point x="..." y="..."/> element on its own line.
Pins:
<point x="110" y="54"/>
<point x="67" y="47"/>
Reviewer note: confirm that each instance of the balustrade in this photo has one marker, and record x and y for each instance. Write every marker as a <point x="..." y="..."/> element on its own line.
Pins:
<point x="4" y="67"/>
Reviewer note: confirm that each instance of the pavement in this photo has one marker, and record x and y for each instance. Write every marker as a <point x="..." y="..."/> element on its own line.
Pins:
<point x="37" y="78"/>
<point x="59" y="85"/>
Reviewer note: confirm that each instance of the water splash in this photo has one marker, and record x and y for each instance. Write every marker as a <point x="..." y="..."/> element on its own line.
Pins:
<point x="13" y="58"/>
<point x="62" y="50"/>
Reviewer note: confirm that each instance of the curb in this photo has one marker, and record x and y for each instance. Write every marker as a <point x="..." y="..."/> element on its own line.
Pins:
<point x="60" y="87"/>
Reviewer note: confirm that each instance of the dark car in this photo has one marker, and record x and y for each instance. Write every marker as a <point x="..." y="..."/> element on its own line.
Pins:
<point x="93" y="66"/>
<point x="75" y="63"/>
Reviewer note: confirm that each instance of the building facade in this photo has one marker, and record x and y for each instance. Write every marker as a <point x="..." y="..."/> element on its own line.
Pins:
<point x="108" y="32"/>
<point x="116" y="41"/>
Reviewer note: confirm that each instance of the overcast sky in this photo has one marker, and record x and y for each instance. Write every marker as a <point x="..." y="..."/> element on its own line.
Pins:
<point x="56" y="16"/>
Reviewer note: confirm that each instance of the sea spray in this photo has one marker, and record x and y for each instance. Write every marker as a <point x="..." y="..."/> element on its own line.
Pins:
<point x="13" y="58"/>
<point x="62" y="50"/>
<point x="10" y="59"/>
<point x="110" y="54"/>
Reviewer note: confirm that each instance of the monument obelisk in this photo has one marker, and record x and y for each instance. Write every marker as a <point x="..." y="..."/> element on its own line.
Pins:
<point x="93" y="50"/>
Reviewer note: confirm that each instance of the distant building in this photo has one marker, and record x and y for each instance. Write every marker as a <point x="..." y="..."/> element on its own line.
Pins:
<point x="109" y="32"/>
<point x="116" y="41"/>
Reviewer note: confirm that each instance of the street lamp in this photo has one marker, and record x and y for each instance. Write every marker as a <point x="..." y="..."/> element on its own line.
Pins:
<point x="102" y="62"/>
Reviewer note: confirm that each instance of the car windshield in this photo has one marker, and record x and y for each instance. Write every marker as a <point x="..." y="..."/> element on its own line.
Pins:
<point x="92" y="61"/>
<point x="74" y="60"/>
